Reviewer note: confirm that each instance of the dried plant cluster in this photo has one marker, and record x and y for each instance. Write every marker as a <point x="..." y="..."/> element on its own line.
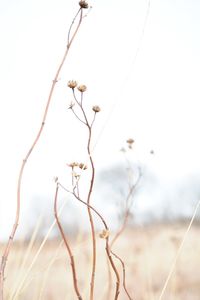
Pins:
<point x="115" y="264"/>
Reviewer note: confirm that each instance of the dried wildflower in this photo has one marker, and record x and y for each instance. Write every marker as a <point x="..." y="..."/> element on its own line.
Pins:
<point x="83" y="4"/>
<point x="72" y="84"/>
<point x="82" y="88"/>
<point x="104" y="234"/>
<point x="96" y="108"/>
<point x="71" y="105"/>
<point x="130" y="141"/>
<point x="82" y="166"/>
<point x="73" y="165"/>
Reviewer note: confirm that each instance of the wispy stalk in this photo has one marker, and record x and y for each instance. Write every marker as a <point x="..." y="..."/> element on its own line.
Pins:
<point x="128" y="205"/>
<point x="38" y="135"/>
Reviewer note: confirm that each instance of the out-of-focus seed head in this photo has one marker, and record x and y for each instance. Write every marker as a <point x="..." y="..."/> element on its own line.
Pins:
<point x="83" y="4"/>
<point x="72" y="84"/>
<point x="82" y="88"/>
<point x="82" y="166"/>
<point x="96" y="109"/>
<point x="130" y="143"/>
<point x="104" y="234"/>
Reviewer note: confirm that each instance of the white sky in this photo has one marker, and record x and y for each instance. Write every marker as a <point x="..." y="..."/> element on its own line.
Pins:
<point x="154" y="99"/>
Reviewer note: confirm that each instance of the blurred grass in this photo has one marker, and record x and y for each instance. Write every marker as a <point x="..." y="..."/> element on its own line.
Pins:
<point x="148" y="253"/>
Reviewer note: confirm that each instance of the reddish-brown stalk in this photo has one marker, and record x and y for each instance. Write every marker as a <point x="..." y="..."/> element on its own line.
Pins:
<point x="67" y="245"/>
<point x="108" y="251"/>
<point x="19" y="183"/>
<point x="89" y="126"/>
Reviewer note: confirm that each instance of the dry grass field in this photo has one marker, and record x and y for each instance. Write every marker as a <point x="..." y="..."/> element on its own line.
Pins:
<point x="148" y="253"/>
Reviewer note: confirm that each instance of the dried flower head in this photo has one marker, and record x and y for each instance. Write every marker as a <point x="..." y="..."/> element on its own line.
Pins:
<point x="82" y="88"/>
<point x="72" y="84"/>
<point x="83" y="4"/>
<point x="73" y="165"/>
<point x="82" y="166"/>
<point x="104" y="234"/>
<point x="96" y="108"/>
<point x="130" y="141"/>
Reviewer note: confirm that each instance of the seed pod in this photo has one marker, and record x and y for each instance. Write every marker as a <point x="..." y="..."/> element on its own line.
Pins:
<point x="96" y="108"/>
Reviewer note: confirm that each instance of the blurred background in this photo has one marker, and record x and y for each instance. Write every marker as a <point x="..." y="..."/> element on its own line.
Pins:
<point x="140" y="62"/>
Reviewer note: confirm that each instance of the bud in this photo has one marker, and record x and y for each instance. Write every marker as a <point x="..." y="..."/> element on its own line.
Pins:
<point x="72" y="84"/>
<point x="96" y="108"/>
<point x="82" y="88"/>
<point x="104" y="234"/>
<point x="83" y="4"/>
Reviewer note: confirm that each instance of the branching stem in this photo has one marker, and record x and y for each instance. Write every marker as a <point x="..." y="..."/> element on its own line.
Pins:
<point x="19" y="183"/>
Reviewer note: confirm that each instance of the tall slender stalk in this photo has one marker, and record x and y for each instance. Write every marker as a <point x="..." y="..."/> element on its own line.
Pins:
<point x="73" y="267"/>
<point x="19" y="182"/>
<point x="89" y="127"/>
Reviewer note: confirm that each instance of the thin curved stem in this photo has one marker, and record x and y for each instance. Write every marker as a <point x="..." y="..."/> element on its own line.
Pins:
<point x="19" y="183"/>
<point x="67" y="245"/>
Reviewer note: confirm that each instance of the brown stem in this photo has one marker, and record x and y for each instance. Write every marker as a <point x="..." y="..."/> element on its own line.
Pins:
<point x="108" y="251"/>
<point x="92" y="280"/>
<point x="17" y="216"/>
<point x="67" y="246"/>
<point x="124" y="274"/>
<point x="91" y="219"/>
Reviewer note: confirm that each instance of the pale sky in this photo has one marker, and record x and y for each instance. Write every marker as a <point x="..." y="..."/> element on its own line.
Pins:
<point x="148" y="88"/>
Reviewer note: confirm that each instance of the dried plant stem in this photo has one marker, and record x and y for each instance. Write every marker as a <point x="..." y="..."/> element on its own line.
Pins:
<point x="124" y="275"/>
<point x="119" y="233"/>
<point x="17" y="216"/>
<point x="179" y="251"/>
<point x="108" y="252"/>
<point x="89" y="126"/>
<point x="67" y="246"/>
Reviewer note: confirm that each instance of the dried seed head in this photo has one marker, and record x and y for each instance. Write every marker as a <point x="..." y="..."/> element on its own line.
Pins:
<point x="130" y="141"/>
<point x="72" y="84"/>
<point x="82" y="88"/>
<point x="73" y="164"/>
<point x="82" y="166"/>
<point x="96" y="108"/>
<point x="83" y="4"/>
<point x="104" y="234"/>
